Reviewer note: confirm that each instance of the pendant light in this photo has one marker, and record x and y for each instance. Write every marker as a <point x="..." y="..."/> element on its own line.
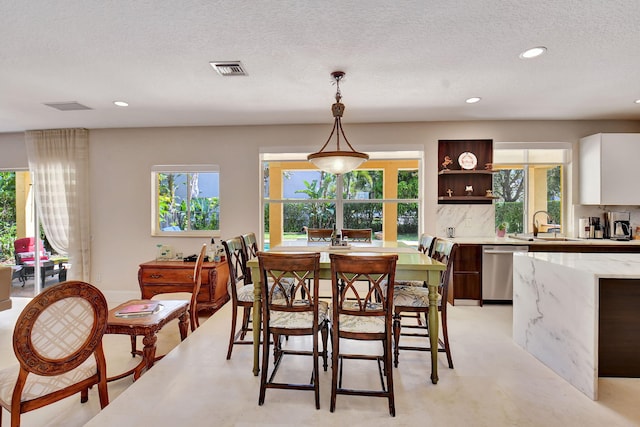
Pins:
<point x="338" y="161"/>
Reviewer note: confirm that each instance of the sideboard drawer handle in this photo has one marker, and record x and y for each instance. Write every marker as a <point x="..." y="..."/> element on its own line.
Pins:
<point x="155" y="276"/>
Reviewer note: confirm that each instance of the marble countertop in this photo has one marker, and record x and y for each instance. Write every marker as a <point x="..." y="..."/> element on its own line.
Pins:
<point x="493" y="240"/>
<point x="615" y="266"/>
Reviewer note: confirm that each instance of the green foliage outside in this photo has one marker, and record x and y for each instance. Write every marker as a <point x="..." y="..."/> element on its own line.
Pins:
<point x="7" y="215"/>
<point x="195" y="213"/>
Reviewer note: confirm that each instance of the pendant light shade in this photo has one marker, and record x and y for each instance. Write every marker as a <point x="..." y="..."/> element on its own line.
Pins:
<point x="337" y="161"/>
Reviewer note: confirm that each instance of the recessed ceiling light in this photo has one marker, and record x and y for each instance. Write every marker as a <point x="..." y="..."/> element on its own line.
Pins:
<point x="533" y="52"/>
<point x="637" y="101"/>
<point x="121" y="103"/>
<point x="473" y="100"/>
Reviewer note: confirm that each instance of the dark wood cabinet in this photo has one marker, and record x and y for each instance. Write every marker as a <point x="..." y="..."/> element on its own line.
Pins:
<point x="467" y="274"/>
<point x="160" y="277"/>
<point x="454" y="180"/>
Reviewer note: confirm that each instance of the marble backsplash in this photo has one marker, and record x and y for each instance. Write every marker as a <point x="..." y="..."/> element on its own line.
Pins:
<point x="468" y="220"/>
<point x="479" y="220"/>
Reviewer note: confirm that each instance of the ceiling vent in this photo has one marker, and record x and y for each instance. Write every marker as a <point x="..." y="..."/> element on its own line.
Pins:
<point x="229" y="68"/>
<point x="67" y="106"/>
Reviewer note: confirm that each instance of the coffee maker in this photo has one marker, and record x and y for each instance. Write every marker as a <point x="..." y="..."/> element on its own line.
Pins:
<point x="617" y="225"/>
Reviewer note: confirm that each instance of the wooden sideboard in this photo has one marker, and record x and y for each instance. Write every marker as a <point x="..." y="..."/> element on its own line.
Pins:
<point x="161" y="277"/>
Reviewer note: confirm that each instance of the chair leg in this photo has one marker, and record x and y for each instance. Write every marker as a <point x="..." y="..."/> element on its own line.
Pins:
<point x="316" y="371"/>
<point x="445" y="339"/>
<point x="396" y="338"/>
<point x="265" y="364"/>
<point x="84" y="395"/>
<point x="245" y="322"/>
<point x="325" y="335"/>
<point x="389" y="373"/>
<point x="335" y="350"/>
<point x="234" y="315"/>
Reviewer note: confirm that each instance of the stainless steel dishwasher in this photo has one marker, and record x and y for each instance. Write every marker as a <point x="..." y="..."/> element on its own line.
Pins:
<point x="497" y="272"/>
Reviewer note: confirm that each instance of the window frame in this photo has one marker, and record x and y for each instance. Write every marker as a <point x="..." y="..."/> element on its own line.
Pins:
<point x="377" y="162"/>
<point x="180" y="169"/>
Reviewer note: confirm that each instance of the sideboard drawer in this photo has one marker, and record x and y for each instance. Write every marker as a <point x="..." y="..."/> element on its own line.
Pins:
<point x="160" y="277"/>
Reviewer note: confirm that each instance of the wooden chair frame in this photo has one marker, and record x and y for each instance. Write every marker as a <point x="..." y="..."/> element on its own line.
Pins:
<point x="237" y="261"/>
<point x="443" y="251"/>
<point x="346" y="270"/>
<point x="32" y="362"/>
<point x="194" y="321"/>
<point x="290" y="275"/>
<point x="357" y="235"/>
<point x="319" y="234"/>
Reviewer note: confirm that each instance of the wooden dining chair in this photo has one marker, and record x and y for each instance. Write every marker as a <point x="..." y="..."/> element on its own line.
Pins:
<point x="197" y="284"/>
<point x="357" y="235"/>
<point x="425" y="245"/>
<point x="319" y="234"/>
<point x="241" y="292"/>
<point x="194" y="320"/>
<point x="250" y="246"/>
<point x="415" y="299"/>
<point x="288" y="311"/>
<point x="364" y="316"/>
<point x="57" y="340"/>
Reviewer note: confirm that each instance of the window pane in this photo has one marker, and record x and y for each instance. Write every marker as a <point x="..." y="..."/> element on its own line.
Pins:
<point x="407" y="184"/>
<point x="310" y="184"/>
<point x="362" y="185"/>
<point x="408" y="222"/>
<point x="509" y="186"/>
<point x="363" y="215"/>
<point x="312" y="215"/>
<point x="187" y="201"/>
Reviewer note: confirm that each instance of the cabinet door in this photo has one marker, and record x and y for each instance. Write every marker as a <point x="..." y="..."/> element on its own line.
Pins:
<point x="619" y="169"/>
<point x="467" y="273"/>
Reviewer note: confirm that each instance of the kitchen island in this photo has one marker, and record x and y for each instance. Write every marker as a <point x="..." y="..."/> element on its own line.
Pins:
<point x="578" y="314"/>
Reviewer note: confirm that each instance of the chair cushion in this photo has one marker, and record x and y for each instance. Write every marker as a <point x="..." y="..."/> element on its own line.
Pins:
<point x="367" y="324"/>
<point x="37" y="385"/>
<point x="412" y="296"/>
<point x="298" y="320"/>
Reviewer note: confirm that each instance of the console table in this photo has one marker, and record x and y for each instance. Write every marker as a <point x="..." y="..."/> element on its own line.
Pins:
<point x="161" y="277"/>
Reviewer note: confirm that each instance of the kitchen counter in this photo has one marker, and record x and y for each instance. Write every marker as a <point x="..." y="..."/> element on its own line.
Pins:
<point x="493" y="240"/>
<point x="577" y="313"/>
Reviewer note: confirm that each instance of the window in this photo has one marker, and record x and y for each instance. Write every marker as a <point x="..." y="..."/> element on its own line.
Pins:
<point x="382" y="195"/>
<point x="186" y="200"/>
<point x="529" y="180"/>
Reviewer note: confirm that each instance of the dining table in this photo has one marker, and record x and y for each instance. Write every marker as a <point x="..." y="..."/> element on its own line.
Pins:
<point x="411" y="265"/>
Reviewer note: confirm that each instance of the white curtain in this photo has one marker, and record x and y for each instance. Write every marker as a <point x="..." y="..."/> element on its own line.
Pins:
<point x="59" y="166"/>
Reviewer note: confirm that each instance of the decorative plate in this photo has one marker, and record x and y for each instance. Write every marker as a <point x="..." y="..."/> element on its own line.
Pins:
<point x="468" y="160"/>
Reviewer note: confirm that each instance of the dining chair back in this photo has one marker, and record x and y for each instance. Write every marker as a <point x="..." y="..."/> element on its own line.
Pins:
<point x="319" y="234"/>
<point x="357" y="235"/>
<point x="291" y="307"/>
<point x="362" y="315"/>
<point x="57" y="340"/>
<point x="415" y="299"/>
<point x="426" y="243"/>
<point x="194" y="320"/>
<point x="250" y="245"/>
<point x="197" y="284"/>
<point x="241" y="291"/>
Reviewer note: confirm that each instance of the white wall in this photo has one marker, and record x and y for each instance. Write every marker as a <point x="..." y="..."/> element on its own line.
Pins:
<point x="121" y="160"/>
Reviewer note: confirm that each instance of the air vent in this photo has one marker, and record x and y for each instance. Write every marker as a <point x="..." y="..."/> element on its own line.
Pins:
<point x="67" y="106"/>
<point x="229" y="68"/>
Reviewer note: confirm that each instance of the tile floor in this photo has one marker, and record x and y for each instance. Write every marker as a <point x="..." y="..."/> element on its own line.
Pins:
<point x="494" y="383"/>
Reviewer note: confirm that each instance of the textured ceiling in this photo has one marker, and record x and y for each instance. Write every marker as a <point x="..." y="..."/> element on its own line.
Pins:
<point x="412" y="60"/>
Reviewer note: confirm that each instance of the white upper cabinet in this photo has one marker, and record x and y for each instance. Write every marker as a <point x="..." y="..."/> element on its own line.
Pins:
<point x="610" y="169"/>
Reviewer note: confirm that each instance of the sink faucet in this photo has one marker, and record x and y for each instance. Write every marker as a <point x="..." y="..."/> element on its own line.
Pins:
<point x="535" y="223"/>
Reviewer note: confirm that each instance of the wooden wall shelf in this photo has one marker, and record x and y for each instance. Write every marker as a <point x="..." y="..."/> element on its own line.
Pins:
<point x="456" y="178"/>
